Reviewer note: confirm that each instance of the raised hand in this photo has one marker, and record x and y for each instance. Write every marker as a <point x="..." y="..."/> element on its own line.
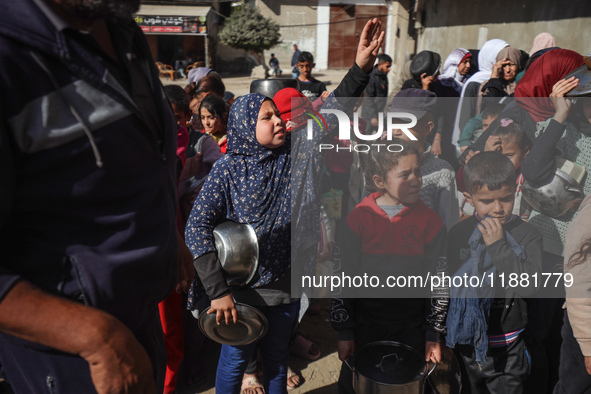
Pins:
<point x="369" y="45"/>
<point x="561" y="104"/>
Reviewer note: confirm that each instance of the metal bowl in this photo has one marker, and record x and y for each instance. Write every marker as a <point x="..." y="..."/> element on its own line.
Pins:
<point x="269" y="87"/>
<point x="238" y="251"/>
<point x="583" y="73"/>
<point x="556" y="199"/>
<point x="252" y="325"/>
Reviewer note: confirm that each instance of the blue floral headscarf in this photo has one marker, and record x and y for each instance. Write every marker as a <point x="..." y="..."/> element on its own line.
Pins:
<point x="250" y="184"/>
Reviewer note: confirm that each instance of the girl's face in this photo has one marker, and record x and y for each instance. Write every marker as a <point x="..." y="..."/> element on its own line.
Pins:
<point x="402" y="184"/>
<point x="270" y="130"/>
<point x="464" y="67"/>
<point x="211" y="123"/>
<point x="510" y="148"/>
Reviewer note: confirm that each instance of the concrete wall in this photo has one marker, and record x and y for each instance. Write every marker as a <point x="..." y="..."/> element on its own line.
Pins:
<point x="298" y="25"/>
<point x="449" y="24"/>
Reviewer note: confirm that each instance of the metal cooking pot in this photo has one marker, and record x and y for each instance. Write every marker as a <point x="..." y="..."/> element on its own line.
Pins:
<point x="269" y="87"/>
<point x="238" y="251"/>
<point x="556" y="199"/>
<point x="388" y="367"/>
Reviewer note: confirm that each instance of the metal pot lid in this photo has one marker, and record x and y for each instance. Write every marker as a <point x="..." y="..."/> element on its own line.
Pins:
<point x="238" y="251"/>
<point x="269" y="87"/>
<point x="583" y="73"/>
<point x="252" y="325"/>
<point x="389" y="362"/>
<point x="561" y="196"/>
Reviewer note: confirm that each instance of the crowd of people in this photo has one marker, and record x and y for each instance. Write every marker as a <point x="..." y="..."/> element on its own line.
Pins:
<point x="113" y="185"/>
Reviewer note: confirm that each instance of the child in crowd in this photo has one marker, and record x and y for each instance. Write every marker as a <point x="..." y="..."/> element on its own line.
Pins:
<point x="307" y="84"/>
<point x="202" y="150"/>
<point x="439" y="186"/>
<point x="253" y="184"/>
<point x="485" y="322"/>
<point x="378" y="235"/>
<point x="274" y="64"/>
<point x="510" y="139"/>
<point x="250" y="186"/>
<point x="478" y="125"/>
<point x="213" y="112"/>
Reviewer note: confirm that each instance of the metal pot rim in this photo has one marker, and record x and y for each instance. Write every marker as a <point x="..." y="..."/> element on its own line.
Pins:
<point x="423" y="375"/>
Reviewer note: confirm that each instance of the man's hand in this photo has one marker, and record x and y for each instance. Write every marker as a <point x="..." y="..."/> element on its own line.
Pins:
<point x="588" y="364"/>
<point x="325" y="95"/>
<point x="119" y="364"/>
<point x="345" y="349"/>
<point x="426" y="80"/>
<point x="491" y="229"/>
<point x="374" y="122"/>
<point x="561" y="104"/>
<point x="369" y="45"/>
<point x="186" y="270"/>
<point x="433" y="351"/>
<point x="225" y="310"/>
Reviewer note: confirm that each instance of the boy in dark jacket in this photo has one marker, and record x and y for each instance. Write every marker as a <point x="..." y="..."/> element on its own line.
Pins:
<point x="486" y="319"/>
<point x="376" y="88"/>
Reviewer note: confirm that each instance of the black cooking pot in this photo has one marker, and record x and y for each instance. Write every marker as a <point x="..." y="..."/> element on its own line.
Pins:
<point x="269" y="87"/>
<point x="388" y="367"/>
<point x="425" y="62"/>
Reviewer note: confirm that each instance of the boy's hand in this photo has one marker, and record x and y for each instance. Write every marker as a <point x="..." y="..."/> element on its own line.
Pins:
<point x="345" y="349"/>
<point x="491" y="229"/>
<point x="369" y="45"/>
<point x="470" y="155"/>
<point x="225" y="309"/>
<point x="493" y="144"/>
<point x="433" y="351"/>
<point x="436" y="146"/>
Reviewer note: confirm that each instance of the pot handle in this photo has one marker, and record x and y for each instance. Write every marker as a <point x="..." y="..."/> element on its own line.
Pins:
<point x="346" y="362"/>
<point x="432" y="369"/>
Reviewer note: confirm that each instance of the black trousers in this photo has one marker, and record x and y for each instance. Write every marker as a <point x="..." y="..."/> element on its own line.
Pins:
<point x="573" y="377"/>
<point x="504" y="371"/>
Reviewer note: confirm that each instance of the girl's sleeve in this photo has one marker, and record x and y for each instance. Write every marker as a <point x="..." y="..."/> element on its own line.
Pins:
<point x="438" y="303"/>
<point x="209" y="209"/>
<point x="539" y="166"/>
<point x="343" y="310"/>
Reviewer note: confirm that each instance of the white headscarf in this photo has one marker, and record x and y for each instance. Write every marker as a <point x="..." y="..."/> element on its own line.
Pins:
<point x="487" y="57"/>
<point x="450" y="75"/>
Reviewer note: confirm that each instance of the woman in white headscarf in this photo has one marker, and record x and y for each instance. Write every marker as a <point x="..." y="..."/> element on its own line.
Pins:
<point x="455" y="69"/>
<point x="467" y="108"/>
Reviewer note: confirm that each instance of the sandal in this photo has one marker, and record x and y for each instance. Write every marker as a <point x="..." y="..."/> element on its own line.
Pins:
<point x="293" y="379"/>
<point x="305" y="348"/>
<point x="251" y="385"/>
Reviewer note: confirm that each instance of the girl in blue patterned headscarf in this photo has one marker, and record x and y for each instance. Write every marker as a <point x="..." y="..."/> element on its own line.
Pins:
<point x="251" y="184"/>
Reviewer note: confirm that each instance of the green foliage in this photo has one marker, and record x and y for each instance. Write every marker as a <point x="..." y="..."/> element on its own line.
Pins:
<point x="247" y="29"/>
